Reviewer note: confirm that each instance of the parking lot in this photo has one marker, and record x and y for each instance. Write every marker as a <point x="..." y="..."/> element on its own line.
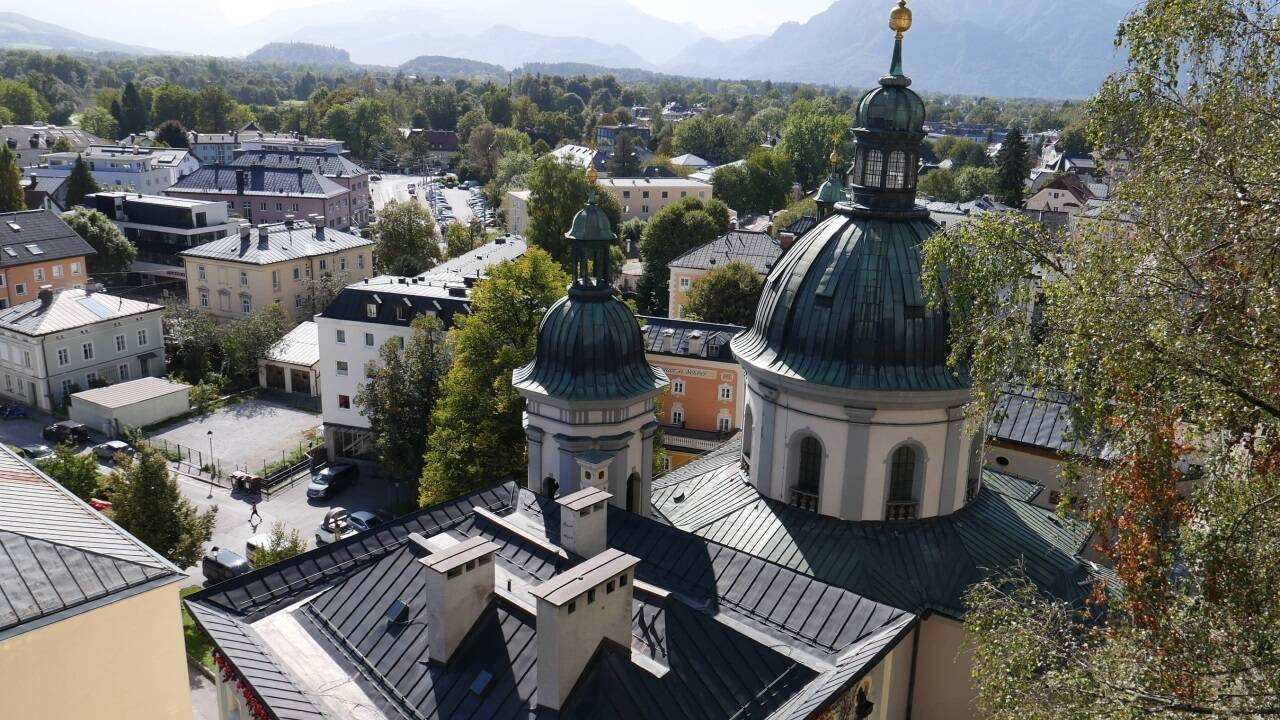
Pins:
<point x="246" y="435"/>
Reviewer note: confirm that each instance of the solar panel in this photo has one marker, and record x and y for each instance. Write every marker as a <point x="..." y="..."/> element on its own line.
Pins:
<point x="96" y="308"/>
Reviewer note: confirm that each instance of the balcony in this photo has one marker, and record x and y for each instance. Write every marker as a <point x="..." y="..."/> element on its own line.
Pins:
<point x="804" y="499"/>
<point x="901" y="510"/>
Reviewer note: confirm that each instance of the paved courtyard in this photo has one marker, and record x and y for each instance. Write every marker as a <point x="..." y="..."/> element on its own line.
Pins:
<point x="246" y="435"/>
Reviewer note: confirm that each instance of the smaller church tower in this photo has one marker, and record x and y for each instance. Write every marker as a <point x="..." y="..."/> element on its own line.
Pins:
<point x="830" y="191"/>
<point x="590" y="391"/>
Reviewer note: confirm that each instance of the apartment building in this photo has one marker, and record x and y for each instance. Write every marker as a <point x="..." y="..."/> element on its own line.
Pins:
<point x="760" y="250"/>
<point x="262" y="194"/>
<point x="38" y="249"/>
<point x="116" y="167"/>
<point x="643" y="197"/>
<point x="69" y="340"/>
<point x="220" y="148"/>
<point x="518" y="210"/>
<point x="338" y="168"/>
<point x="703" y="404"/>
<point x="30" y="142"/>
<point x="272" y="263"/>
<point x="161" y="227"/>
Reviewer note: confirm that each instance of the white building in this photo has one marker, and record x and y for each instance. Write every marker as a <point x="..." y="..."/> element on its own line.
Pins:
<point x="161" y="227"/>
<point x="113" y="167"/>
<point x="518" y="210"/>
<point x="292" y="365"/>
<point x="72" y="340"/>
<point x="30" y="142"/>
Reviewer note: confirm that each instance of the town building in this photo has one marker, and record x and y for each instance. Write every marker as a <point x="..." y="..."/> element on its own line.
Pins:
<point x="690" y="162"/>
<point x="114" y="167"/>
<point x="580" y="155"/>
<point x="788" y="235"/>
<point x="292" y="365"/>
<point x="475" y="264"/>
<point x="161" y="227"/>
<point x="644" y="197"/>
<point x="702" y="406"/>
<point x="277" y="263"/>
<point x="220" y="148"/>
<point x="1069" y="194"/>
<point x="947" y="214"/>
<point x="29" y="143"/>
<point x="37" y="249"/>
<point x="607" y="135"/>
<point x="760" y="250"/>
<point x="64" y="341"/>
<point x="115" y="409"/>
<point x="336" y="167"/>
<point x="440" y="147"/>
<point x="89" y="617"/>
<point x="269" y="195"/>
<point x="44" y="192"/>
<point x="518" y="211"/>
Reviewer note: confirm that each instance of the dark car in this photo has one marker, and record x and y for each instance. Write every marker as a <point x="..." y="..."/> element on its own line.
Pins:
<point x="363" y="520"/>
<point x="333" y="479"/>
<point x="34" y="452"/>
<point x="222" y="564"/>
<point x="67" y="430"/>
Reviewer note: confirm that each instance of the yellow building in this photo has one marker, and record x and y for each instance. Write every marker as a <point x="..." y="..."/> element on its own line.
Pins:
<point x="760" y="250"/>
<point x="89" y="616"/>
<point x="644" y="197"/>
<point x="280" y="263"/>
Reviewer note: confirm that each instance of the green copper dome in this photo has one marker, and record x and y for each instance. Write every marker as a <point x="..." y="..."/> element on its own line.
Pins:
<point x="830" y="192"/>
<point x="891" y="108"/>
<point x="591" y="225"/>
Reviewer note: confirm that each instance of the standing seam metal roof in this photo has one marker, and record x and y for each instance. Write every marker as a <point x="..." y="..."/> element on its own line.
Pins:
<point x="760" y="250"/>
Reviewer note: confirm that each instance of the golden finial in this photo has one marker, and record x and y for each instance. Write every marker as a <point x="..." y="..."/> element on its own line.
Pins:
<point x="900" y="19"/>
<point x="835" y="158"/>
<point x="591" y="175"/>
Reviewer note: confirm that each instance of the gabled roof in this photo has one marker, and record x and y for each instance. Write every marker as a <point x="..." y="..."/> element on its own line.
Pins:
<point x="301" y="346"/>
<point x="32" y="236"/>
<point x="476" y="263"/>
<point x="689" y="160"/>
<point x="60" y="557"/>
<point x="274" y="182"/>
<point x="68" y="309"/>
<point x="284" y="242"/>
<point x="327" y="164"/>
<point x="387" y="293"/>
<point x="760" y="250"/>
<point x="715" y="337"/>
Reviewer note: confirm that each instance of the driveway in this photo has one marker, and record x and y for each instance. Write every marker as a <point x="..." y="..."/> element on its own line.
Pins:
<point x="246" y="435"/>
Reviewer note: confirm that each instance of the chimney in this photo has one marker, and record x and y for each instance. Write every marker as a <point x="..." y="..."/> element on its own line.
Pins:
<point x="584" y="521"/>
<point x="695" y="343"/>
<point x="667" y="336"/>
<point x="246" y="231"/>
<point x="288" y="221"/>
<point x="318" y="222"/>
<point x="239" y="181"/>
<point x="264" y="234"/>
<point x="46" y="296"/>
<point x="34" y="141"/>
<point x="577" y="610"/>
<point x="458" y="588"/>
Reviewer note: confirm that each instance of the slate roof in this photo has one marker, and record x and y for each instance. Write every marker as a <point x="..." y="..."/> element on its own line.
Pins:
<point x="259" y="180"/>
<point x="327" y="164"/>
<point x="42" y="230"/>
<point x="59" y="557"/>
<point x="760" y="250"/>
<point x="70" y="308"/>
<point x="921" y="565"/>
<point x="1040" y="419"/>
<point x="388" y="292"/>
<point x="715" y="337"/>
<point x="301" y="346"/>
<point x="19" y="136"/>
<point x="284" y="243"/>
<point x="737" y="636"/>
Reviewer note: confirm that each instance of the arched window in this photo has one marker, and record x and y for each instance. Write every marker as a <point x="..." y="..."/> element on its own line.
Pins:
<point x="808" y="473"/>
<point x="902" y="485"/>
<point x="874" y="167"/>
<point x="897" y="176"/>
<point x="633" y="492"/>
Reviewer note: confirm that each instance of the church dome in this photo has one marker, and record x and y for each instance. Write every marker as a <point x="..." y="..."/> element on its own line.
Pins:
<point x="891" y="108"/>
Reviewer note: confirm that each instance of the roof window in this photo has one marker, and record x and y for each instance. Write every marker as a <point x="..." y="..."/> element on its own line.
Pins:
<point x="34" y="249"/>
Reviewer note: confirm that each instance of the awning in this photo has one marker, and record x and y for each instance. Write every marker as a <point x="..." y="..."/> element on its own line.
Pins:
<point x="150" y="268"/>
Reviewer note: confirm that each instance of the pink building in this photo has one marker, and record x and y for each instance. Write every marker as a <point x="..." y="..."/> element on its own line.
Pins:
<point x="262" y="194"/>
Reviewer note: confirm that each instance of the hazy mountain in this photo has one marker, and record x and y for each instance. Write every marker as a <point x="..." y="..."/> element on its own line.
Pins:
<point x="300" y="53"/>
<point x="708" y="55"/>
<point x="24" y="33"/>
<point x="449" y="67"/>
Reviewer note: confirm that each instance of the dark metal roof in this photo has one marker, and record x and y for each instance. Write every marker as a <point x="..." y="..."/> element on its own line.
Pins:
<point x="1040" y="419"/>
<point x="327" y="164"/>
<point x="590" y="348"/>
<point x="807" y="642"/>
<point x="760" y="250"/>
<point x="715" y="337"/>
<point x="43" y="230"/>
<point x="284" y="243"/>
<point x="258" y="180"/>
<point x="387" y="293"/>
<point x="801" y="226"/>
<point x="844" y="307"/>
<point x="921" y="565"/>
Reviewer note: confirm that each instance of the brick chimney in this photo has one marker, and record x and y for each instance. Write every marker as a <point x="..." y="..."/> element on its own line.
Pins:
<point x="577" y="610"/>
<point x="458" y="588"/>
<point x="584" y="521"/>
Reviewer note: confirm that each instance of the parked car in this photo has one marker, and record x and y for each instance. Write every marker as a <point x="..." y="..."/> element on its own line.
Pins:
<point x="222" y="564"/>
<point x="67" y="430"/>
<point x="108" y="449"/>
<point x="34" y="452"/>
<point x="334" y="527"/>
<point x="333" y="479"/>
<point x="99" y="504"/>
<point x="363" y="520"/>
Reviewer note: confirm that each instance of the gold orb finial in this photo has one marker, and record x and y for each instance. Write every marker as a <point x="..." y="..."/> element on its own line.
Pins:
<point x="835" y="158"/>
<point x="591" y="175"/>
<point x="900" y="19"/>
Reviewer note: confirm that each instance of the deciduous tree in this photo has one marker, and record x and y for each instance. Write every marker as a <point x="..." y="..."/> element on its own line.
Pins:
<point x="173" y="134"/>
<point x="405" y="239"/>
<point x="559" y="189"/>
<point x="728" y="294"/>
<point x="674" y="230"/>
<point x="73" y="471"/>
<point x="114" y="253"/>
<point x="283" y="542"/>
<point x="97" y="121"/>
<point x="247" y="339"/>
<point x="147" y="503"/>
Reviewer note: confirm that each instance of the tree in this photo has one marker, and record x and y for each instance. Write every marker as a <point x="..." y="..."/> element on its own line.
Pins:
<point x="405" y="239"/>
<point x="728" y="294"/>
<point x="98" y="121"/>
<point x="174" y="102"/>
<point x="22" y="102"/>
<point x="975" y="182"/>
<point x="283" y="542"/>
<point x="477" y="437"/>
<point x="11" y="196"/>
<point x="134" y="112"/>
<point x="214" y="110"/>
<point x="400" y="395"/>
<point x="148" y="504"/>
<point x="62" y="144"/>
<point x="559" y="190"/>
<point x="624" y="162"/>
<point x="1013" y="168"/>
<point x="80" y="183"/>
<point x="1161" y="320"/>
<point x="173" y="134"/>
<point x="1074" y="141"/>
<point x="193" y="337"/>
<point x="761" y="184"/>
<point x="674" y="230"/>
<point x="359" y="123"/>
<point x="460" y="239"/>
<point x="73" y="471"/>
<point x="939" y="185"/>
<point x="247" y="339"/>
<point x="716" y="139"/>
<point x="113" y="251"/>
<point x="814" y="129"/>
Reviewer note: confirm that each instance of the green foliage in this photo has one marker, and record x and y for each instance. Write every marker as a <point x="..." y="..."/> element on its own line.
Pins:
<point x="192" y="335"/>
<point x="760" y="185"/>
<point x="197" y="643"/>
<point x="728" y="294"/>
<point x="400" y="395"/>
<point x="96" y="121"/>
<point x="1074" y="141"/>
<point x="22" y="102"/>
<point x="624" y="162"/>
<point x="794" y="212"/>
<point x="963" y="185"/>
<point x="283" y="542"/>
<point x="813" y="130"/>
<point x="75" y="472"/>
<point x="460" y="238"/>
<point x="360" y="124"/>
<point x="148" y="504"/>
<point x="11" y="196"/>
<point x="62" y="144"/>
<point x="174" y="102"/>
<point x="962" y="152"/>
<point x="716" y="139"/>
<point x="1012" y="167"/>
<point x="247" y="339"/>
<point x="477" y="438"/>
<point x="114" y="252"/>
<point x="134" y="112"/>
<point x="405" y="239"/>
<point x="173" y="134"/>
<point x="205" y="395"/>
<point x="80" y="183"/>
<point x="673" y="231"/>
<point x="559" y="190"/>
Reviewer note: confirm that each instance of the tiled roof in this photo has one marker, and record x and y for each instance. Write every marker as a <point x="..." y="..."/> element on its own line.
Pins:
<point x="130" y="392"/>
<point x="221" y="179"/>
<point x="33" y="236"/>
<point x="793" y="641"/>
<point x="760" y="250"/>
<point x="800" y="226"/>
<point x="300" y="347"/>
<point x="327" y="164"/>
<point x="69" y="309"/>
<point x="920" y="565"/>
<point x="19" y="136"/>
<point x="58" y="556"/>
<point x="715" y="337"/>
<point x="284" y="242"/>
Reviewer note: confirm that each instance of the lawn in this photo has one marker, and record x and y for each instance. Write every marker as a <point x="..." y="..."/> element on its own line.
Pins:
<point x="198" y="645"/>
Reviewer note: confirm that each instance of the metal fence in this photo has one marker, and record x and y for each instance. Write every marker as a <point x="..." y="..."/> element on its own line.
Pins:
<point x="200" y="464"/>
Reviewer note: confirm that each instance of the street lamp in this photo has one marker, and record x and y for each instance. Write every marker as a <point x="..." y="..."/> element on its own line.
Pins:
<point x="212" y="467"/>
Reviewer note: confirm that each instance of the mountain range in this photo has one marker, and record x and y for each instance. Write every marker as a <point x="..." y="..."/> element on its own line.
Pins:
<point x="1030" y="48"/>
